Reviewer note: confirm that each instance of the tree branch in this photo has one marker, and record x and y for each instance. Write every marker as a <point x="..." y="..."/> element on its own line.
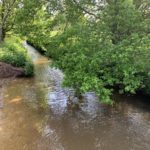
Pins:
<point x="85" y="10"/>
<point x="9" y="10"/>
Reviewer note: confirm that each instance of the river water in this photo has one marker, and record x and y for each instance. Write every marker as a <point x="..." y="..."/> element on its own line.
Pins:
<point x="38" y="114"/>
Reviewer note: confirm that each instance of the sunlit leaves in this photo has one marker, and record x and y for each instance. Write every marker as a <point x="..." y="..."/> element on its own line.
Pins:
<point x="97" y="54"/>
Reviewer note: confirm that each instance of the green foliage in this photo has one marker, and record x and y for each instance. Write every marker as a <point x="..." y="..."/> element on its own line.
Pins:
<point x="13" y="52"/>
<point x="29" y="68"/>
<point x="8" y="13"/>
<point x="97" y="52"/>
<point x="92" y="63"/>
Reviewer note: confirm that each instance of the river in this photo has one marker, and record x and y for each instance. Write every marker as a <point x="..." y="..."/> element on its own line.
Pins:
<point x="38" y="114"/>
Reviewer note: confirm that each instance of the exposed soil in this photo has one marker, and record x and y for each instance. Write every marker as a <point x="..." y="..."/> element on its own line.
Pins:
<point x="7" y="70"/>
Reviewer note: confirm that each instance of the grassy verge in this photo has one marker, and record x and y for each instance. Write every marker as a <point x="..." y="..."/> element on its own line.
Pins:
<point x="13" y="52"/>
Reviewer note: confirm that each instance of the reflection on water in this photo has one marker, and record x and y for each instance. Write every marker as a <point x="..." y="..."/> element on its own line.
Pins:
<point x="39" y="114"/>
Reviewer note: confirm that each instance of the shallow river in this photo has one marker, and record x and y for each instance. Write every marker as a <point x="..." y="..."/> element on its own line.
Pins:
<point x="38" y="114"/>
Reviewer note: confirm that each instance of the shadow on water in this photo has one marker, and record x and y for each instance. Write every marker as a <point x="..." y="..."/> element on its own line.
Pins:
<point x="39" y="114"/>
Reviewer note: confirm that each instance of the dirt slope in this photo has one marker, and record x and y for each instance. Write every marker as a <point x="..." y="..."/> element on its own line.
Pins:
<point x="7" y="70"/>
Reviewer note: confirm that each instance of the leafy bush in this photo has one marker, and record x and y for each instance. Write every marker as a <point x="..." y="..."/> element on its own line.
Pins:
<point x="13" y="52"/>
<point x="29" y="68"/>
<point x="99" y="54"/>
<point x="91" y="64"/>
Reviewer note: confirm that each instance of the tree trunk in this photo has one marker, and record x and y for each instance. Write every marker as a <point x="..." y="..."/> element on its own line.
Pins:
<point x="2" y="34"/>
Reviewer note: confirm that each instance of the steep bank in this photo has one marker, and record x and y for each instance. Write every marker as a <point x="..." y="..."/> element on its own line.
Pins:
<point x="7" y="70"/>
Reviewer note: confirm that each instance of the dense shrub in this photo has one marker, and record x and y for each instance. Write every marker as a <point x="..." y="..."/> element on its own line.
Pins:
<point x="13" y="52"/>
<point x="29" y="69"/>
<point x="93" y="65"/>
<point x="98" y="54"/>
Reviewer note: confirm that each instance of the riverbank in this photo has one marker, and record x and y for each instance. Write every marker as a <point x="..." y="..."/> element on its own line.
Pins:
<point x="14" y="60"/>
<point x="37" y="47"/>
<point x="7" y="71"/>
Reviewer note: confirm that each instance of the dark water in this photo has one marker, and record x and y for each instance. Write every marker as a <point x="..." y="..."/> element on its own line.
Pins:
<point x="38" y="114"/>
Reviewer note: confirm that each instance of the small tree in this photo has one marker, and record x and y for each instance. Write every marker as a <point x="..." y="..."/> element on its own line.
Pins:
<point x="8" y="9"/>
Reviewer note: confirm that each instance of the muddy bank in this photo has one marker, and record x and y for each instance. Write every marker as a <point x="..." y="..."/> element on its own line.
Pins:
<point x="7" y="71"/>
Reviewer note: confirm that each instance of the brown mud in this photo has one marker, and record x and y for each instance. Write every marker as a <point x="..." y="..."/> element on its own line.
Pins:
<point x="7" y="71"/>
